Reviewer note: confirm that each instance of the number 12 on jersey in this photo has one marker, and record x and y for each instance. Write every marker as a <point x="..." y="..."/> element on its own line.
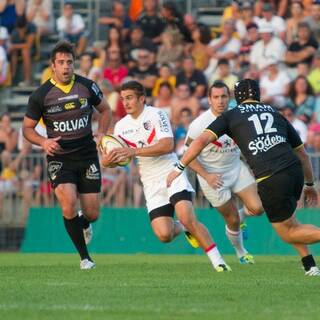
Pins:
<point x="266" y="116"/>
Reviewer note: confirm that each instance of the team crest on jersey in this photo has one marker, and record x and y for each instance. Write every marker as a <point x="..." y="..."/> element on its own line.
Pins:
<point x="147" y="125"/>
<point x="83" y="102"/>
<point x="93" y="172"/>
<point x="53" y="168"/>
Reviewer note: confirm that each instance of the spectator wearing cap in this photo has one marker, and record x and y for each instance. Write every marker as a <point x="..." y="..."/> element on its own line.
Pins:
<point x="297" y="15"/>
<point x="314" y="19"/>
<point x="151" y="22"/>
<point x="268" y="46"/>
<point x="301" y="99"/>
<point x="301" y="50"/>
<point x="4" y="64"/>
<point x="224" y="47"/>
<point x="72" y="28"/>
<point x="119" y="19"/>
<point x="279" y="6"/>
<point x="278" y="24"/>
<point x="314" y="75"/>
<point x="274" y="84"/>
<point x="22" y="44"/>
<point x="193" y="77"/>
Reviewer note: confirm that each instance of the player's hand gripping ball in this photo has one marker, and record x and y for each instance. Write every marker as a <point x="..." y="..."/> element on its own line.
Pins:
<point x="110" y="142"/>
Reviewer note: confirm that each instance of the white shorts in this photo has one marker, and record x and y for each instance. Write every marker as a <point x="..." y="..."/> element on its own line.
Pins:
<point x="234" y="181"/>
<point x="157" y="193"/>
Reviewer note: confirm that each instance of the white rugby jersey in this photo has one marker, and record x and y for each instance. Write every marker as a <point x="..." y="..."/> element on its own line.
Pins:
<point x="151" y="126"/>
<point x="218" y="156"/>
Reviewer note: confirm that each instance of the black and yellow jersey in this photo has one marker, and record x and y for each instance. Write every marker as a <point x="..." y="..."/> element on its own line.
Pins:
<point x="266" y="139"/>
<point x="66" y="111"/>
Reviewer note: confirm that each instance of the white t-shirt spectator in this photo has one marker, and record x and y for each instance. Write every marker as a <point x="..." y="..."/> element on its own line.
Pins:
<point x="276" y="86"/>
<point x="75" y="26"/>
<point x="277" y="23"/>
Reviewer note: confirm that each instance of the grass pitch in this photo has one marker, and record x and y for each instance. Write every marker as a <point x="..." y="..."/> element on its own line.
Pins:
<point x="38" y="286"/>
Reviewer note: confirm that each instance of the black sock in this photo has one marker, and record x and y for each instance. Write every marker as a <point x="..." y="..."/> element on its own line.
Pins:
<point x="308" y="262"/>
<point x="74" y="229"/>
<point x="84" y="222"/>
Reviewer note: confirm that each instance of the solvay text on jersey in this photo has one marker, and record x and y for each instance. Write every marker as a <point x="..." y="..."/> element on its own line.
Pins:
<point x="71" y="125"/>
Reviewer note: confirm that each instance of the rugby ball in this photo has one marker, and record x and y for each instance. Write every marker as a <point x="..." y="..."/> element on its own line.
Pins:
<point x="110" y="142"/>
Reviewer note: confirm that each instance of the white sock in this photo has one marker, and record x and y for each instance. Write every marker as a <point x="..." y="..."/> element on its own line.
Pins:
<point x="214" y="256"/>
<point x="242" y="215"/>
<point x="180" y="225"/>
<point x="235" y="237"/>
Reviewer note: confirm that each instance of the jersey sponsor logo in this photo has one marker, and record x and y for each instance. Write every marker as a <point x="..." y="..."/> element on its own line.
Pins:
<point x="263" y="144"/>
<point x="54" y="109"/>
<point x="53" y="168"/>
<point x="93" y="172"/>
<point x="69" y="105"/>
<point x="164" y="125"/>
<point x="147" y="125"/>
<point x="255" y="108"/>
<point x="96" y="90"/>
<point x="71" y="125"/>
<point x="73" y="96"/>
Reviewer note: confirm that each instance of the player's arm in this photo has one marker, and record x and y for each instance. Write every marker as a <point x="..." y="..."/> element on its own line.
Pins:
<point x="50" y="146"/>
<point x="105" y="117"/>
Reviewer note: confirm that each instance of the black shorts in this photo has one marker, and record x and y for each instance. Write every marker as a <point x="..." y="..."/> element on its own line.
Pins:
<point x="280" y="193"/>
<point x="168" y="209"/>
<point x="85" y="174"/>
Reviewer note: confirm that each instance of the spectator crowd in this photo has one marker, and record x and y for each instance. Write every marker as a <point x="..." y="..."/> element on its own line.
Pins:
<point x="176" y="58"/>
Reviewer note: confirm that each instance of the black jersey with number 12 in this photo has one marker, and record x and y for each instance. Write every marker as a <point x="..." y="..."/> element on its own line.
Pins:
<point x="264" y="136"/>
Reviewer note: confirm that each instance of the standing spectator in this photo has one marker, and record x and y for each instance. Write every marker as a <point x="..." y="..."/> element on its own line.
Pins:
<point x="193" y="77"/>
<point x="277" y="23"/>
<point x="150" y="21"/>
<point x="39" y="12"/>
<point x="145" y="72"/>
<point x="22" y="44"/>
<point x="301" y="99"/>
<point x="268" y="46"/>
<point x="72" y="28"/>
<point x="296" y="10"/>
<point x="9" y="11"/>
<point x="118" y="19"/>
<point x="274" y="84"/>
<point x="226" y="46"/>
<point x="115" y="71"/>
<point x="301" y="50"/>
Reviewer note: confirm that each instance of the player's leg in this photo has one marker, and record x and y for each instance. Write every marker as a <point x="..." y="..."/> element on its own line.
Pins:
<point x="185" y="213"/>
<point x="67" y="196"/>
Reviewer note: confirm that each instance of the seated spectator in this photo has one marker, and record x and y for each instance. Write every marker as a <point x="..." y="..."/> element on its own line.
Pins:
<point x="9" y="11"/>
<point x="118" y="19"/>
<point x="268" y="46"/>
<point x="317" y="109"/>
<point x="301" y="50"/>
<point x="72" y="28"/>
<point x="301" y="99"/>
<point x="297" y="16"/>
<point x="170" y="51"/>
<point x="164" y="98"/>
<point x="314" y="75"/>
<point x="201" y="36"/>
<point x="115" y="71"/>
<point x="114" y="40"/>
<point x="278" y="6"/>
<point x="183" y="99"/>
<point x="145" y="72"/>
<point x="190" y="23"/>
<point x="299" y="125"/>
<point x="180" y="133"/>
<point x="274" y="84"/>
<point x="86" y="68"/>
<point x="4" y="63"/>
<point x="245" y="19"/>
<point x="277" y="23"/>
<point x="314" y="19"/>
<point x="150" y="21"/>
<point x="223" y="73"/>
<point x="165" y="75"/>
<point x="39" y="12"/>
<point x="193" y="77"/>
<point x="8" y="135"/>
<point x="224" y="47"/>
<point x="22" y="45"/>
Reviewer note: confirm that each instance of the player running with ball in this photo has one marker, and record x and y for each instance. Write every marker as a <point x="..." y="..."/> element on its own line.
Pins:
<point x="148" y="133"/>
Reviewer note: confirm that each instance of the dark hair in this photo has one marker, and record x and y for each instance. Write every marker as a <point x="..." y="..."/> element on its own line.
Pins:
<point x="165" y="84"/>
<point x="136" y="86"/>
<point x="292" y="90"/>
<point x="205" y="33"/>
<point x="172" y="7"/>
<point x="186" y="109"/>
<point x="218" y="84"/>
<point x="84" y="54"/>
<point x="62" y="47"/>
<point x="246" y="89"/>
<point x="21" y="21"/>
<point x="223" y="61"/>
